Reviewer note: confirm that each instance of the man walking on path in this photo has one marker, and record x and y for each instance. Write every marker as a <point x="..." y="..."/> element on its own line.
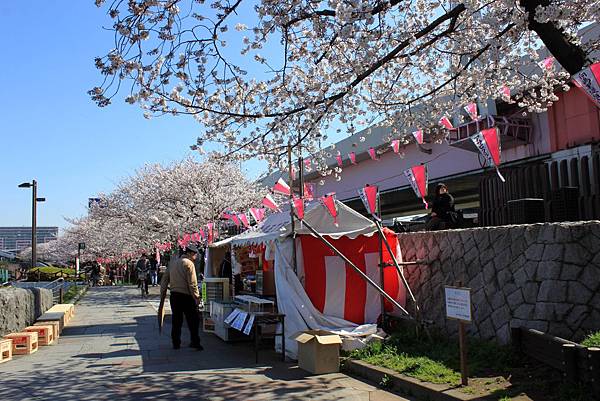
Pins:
<point x="141" y="269"/>
<point x="181" y="278"/>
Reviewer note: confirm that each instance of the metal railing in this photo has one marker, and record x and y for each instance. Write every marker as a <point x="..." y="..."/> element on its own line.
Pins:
<point x="57" y="288"/>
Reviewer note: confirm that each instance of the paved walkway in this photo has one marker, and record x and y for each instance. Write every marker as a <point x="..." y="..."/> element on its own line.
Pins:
<point x="112" y="350"/>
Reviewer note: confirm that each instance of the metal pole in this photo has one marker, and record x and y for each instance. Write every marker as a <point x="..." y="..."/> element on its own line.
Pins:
<point x="381" y="266"/>
<point x="293" y="225"/>
<point x="400" y="272"/>
<point x="356" y="269"/>
<point x="33" y="227"/>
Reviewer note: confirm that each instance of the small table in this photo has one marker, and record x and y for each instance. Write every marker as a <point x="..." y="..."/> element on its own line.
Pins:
<point x="264" y="319"/>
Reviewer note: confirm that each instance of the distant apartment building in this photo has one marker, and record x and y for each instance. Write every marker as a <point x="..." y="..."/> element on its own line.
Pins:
<point x="18" y="238"/>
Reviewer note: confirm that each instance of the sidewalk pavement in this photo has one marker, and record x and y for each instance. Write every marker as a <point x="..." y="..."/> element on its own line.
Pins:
<point x="112" y="350"/>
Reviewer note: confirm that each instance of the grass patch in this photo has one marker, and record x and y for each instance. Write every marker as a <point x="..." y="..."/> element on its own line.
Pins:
<point x="435" y="360"/>
<point x="592" y="340"/>
<point x="53" y="270"/>
<point x="73" y="292"/>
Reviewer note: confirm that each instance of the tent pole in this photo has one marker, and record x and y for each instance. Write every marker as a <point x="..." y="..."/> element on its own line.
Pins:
<point x="293" y="225"/>
<point x="381" y="266"/>
<point x="356" y="269"/>
<point x="400" y="272"/>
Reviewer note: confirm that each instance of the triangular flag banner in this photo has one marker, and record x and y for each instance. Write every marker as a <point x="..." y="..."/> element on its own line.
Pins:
<point x="244" y="219"/>
<point x="281" y="187"/>
<point x="418" y="134"/>
<point x="299" y="206"/>
<point x="352" y="157"/>
<point x="329" y="202"/>
<point x="340" y="162"/>
<point x="236" y="220"/>
<point x="417" y="177"/>
<point x="547" y="63"/>
<point x="505" y="91"/>
<point x="309" y="191"/>
<point x="187" y="238"/>
<point x="471" y="110"/>
<point x="307" y="163"/>
<point x="588" y="80"/>
<point x="372" y="154"/>
<point x="203" y="234"/>
<point x="257" y="213"/>
<point x="226" y="215"/>
<point x="270" y="203"/>
<point x="368" y="195"/>
<point x="488" y="143"/>
<point x="396" y="145"/>
<point x="445" y="122"/>
<point x="209" y="228"/>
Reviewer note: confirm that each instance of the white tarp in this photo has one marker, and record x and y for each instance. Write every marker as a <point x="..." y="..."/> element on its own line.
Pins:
<point x="300" y="314"/>
<point x="278" y="226"/>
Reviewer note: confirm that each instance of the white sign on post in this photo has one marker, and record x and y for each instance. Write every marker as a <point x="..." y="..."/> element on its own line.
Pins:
<point x="458" y="303"/>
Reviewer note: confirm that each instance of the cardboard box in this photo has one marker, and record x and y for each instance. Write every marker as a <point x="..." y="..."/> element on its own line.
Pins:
<point x="318" y="351"/>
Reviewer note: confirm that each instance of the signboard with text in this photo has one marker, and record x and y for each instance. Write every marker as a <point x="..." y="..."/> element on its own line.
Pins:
<point x="458" y="303"/>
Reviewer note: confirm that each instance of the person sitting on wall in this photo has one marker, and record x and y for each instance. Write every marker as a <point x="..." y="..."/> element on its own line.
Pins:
<point x="443" y="215"/>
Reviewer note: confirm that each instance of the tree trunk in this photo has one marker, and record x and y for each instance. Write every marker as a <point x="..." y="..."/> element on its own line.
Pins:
<point x="569" y="55"/>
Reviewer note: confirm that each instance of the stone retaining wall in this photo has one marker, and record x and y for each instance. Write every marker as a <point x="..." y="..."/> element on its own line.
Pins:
<point x="540" y="276"/>
<point x="20" y="307"/>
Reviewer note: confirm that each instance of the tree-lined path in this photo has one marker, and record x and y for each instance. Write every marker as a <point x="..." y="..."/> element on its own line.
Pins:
<point x="112" y="350"/>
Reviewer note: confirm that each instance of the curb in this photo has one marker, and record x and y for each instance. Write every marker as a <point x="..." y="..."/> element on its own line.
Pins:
<point x="405" y="384"/>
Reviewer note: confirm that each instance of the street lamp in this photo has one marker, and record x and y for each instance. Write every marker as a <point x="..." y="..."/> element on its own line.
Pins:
<point x="34" y="201"/>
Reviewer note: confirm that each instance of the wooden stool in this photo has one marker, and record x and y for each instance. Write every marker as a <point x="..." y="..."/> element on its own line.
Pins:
<point x="55" y="327"/>
<point x="23" y="343"/>
<point x="67" y="309"/>
<point x="5" y="350"/>
<point x="44" y="332"/>
<point x="53" y="317"/>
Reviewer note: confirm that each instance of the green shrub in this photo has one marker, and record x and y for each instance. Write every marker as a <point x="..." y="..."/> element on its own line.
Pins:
<point x="592" y="340"/>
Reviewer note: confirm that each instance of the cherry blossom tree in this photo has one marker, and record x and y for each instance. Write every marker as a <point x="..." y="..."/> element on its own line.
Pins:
<point x="290" y="71"/>
<point x="160" y="203"/>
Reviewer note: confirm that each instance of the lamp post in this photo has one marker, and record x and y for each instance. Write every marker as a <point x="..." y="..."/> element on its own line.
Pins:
<point x="34" y="201"/>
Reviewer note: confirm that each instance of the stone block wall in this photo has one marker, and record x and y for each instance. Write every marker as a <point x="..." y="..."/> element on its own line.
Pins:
<point x="20" y="307"/>
<point x="540" y="276"/>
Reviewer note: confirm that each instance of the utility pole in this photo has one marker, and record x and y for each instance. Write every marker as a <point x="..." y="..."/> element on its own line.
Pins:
<point x="34" y="228"/>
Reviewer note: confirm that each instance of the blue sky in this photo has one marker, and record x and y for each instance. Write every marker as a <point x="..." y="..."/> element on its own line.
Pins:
<point x="49" y="128"/>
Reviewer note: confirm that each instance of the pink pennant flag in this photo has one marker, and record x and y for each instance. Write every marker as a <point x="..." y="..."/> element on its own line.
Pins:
<point x="226" y="215"/>
<point x="299" y="206"/>
<point x="329" y="202"/>
<point x="505" y="91"/>
<point x="396" y="145"/>
<point x="236" y="220"/>
<point x="471" y="110"/>
<point x="281" y="187"/>
<point x="244" y="219"/>
<point x="209" y="228"/>
<point x="417" y="177"/>
<point x="352" y="157"/>
<point x="340" y="162"/>
<point x="588" y="80"/>
<point x="488" y="143"/>
<point x="372" y="154"/>
<point x="187" y="238"/>
<point x="446" y="123"/>
<point x="309" y="191"/>
<point x="270" y="203"/>
<point x="418" y="134"/>
<point x="547" y="63"/>
<point x="203" y="234"/>
<point x="307" y="163"/>
<point x="258" y="213"/>
<point x="368" y="195"/>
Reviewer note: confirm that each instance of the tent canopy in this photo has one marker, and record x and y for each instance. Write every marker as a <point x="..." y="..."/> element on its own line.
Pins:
<point x="277" y="225"/>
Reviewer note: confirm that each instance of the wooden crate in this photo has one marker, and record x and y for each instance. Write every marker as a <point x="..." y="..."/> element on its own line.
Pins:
<point x="45" y="333"/>
<point x="53" y="317"/>
<point x="67" y="309"/>
<point x="55" y="327"/>
<point x="5" y="350"/>
<point x="24" y="343"/>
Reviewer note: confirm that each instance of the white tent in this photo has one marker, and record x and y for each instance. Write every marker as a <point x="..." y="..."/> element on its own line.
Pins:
<point x="292" y="300"/>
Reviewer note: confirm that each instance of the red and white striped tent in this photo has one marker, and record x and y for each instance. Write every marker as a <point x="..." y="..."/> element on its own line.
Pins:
<point x="326" y="293"/>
